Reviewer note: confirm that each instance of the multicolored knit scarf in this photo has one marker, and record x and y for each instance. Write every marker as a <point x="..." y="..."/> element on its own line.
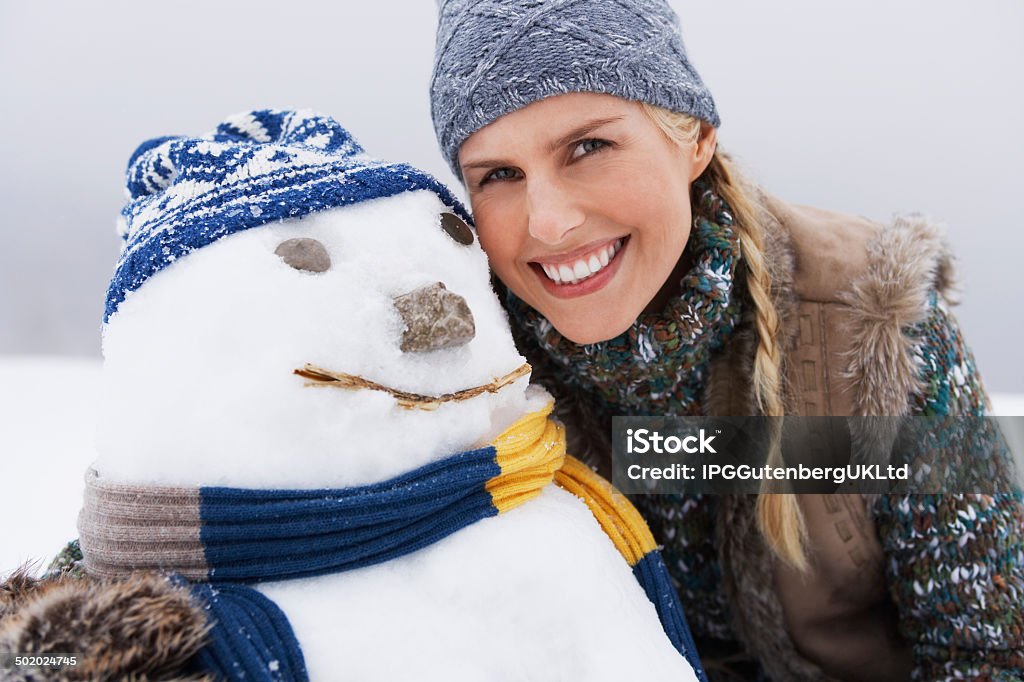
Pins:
<point x="223" y="538"/>
<point x="658" y="365"/>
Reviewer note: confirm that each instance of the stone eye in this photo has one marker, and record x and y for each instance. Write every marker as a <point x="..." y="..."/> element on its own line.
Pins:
<point x="457" y="228"/>
<point x="303" y="253"/>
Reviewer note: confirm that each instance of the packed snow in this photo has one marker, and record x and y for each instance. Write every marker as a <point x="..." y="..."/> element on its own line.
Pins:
<point x="536" y="594"/>
<point x="199" y="361"/>
<point x="48" y="415"/>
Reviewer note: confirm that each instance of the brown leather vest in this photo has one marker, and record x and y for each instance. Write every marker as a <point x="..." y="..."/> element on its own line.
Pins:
<point x="837" y="620"/>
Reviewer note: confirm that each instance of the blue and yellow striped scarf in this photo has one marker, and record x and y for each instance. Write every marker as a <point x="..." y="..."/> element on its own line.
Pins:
<point x="222" y="538"/>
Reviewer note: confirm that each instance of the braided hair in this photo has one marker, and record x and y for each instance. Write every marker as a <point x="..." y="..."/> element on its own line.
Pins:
<point x="778" y="515"/>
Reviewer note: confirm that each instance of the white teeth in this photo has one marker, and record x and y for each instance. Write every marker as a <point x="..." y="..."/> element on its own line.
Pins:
<point x="582" y="269"/>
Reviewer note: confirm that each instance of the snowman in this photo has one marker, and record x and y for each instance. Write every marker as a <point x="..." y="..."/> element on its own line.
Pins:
<point x="316" y="420"/>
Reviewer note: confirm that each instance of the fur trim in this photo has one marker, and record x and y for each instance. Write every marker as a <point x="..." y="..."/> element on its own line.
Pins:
<point x="906" y="263"/>
<point x="16" y="589"/>
<point x="140" y="628"/>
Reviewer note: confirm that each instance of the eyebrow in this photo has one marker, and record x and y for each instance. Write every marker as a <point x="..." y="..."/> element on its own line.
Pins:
<point x="582" y="131"/>
<point x="571" y="136"/>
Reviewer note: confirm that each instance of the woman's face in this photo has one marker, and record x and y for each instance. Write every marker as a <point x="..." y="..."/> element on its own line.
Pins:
<point x="583" y="207"/>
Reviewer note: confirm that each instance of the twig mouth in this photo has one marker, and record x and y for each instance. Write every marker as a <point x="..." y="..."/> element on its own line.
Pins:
<point x="318" y="376"/>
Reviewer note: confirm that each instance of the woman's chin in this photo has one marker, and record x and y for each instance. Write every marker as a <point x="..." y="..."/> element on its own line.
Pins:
<point x="593" y="327"/>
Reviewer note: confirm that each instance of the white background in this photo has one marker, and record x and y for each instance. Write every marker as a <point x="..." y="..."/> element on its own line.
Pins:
<point x="872" y="107"/>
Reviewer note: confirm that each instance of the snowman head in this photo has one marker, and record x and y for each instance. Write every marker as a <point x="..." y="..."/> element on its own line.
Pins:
<point x="287" y="312"/>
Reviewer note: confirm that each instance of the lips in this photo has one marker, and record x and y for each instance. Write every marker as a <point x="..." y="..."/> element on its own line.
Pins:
<point x="580" y="267"/>
<point x="572" y="280"/>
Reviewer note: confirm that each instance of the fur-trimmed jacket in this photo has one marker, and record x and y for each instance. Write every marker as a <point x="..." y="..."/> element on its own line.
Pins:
<point x="923" y="587"/>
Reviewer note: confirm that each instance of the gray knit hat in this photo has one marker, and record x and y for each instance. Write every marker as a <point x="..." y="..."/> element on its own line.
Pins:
<point x="496" y="56"/>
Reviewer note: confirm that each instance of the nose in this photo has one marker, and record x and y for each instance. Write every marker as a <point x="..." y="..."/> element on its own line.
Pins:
<point x="553" y="211"/>
<point x="434" y="318"/>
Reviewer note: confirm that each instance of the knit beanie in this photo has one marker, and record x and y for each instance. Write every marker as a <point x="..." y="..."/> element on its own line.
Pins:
<point x="496" y="56"/>
<point x="185" y="193"/>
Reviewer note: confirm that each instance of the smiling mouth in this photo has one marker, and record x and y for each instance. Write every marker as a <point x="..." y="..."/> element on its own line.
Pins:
<point x="583" y="267"/>
<point x="318" y="376"/>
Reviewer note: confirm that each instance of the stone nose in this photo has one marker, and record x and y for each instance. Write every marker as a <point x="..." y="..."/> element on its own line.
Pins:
<point x="434" y="318"/>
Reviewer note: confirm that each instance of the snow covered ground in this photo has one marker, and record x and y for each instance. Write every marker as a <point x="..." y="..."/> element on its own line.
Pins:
<point x="48" y="409"/>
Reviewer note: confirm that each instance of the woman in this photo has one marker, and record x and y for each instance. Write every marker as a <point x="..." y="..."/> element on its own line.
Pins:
<point x="644" y="276"/>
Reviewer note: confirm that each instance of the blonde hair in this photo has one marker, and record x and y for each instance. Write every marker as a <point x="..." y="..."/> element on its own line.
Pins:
<point x="778" y="515"/>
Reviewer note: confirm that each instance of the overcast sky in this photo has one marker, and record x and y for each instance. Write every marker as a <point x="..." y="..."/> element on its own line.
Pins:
<point x="872" y="107"/>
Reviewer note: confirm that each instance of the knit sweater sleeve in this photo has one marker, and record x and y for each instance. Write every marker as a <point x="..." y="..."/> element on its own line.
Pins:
<point x="955" y="562"/>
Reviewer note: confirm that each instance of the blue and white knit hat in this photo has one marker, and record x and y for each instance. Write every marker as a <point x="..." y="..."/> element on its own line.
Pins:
<point x="495" y="56"/>
<point x="257" y="167"/>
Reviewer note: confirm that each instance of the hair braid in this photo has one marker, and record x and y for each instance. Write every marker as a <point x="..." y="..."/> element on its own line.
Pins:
<point x="779" y="517"/>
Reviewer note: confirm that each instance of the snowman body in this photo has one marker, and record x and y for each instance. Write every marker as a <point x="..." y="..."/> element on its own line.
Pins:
<point x="536" y="594"/>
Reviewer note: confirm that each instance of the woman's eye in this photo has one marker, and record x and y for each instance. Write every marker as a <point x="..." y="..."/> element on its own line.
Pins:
<point x="500" y="174"/>
<point x="585" y="147"/>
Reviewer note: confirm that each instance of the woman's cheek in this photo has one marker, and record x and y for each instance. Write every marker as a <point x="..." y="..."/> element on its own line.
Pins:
<point x="498" y="226"/>
<point x="496" y="241"/>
